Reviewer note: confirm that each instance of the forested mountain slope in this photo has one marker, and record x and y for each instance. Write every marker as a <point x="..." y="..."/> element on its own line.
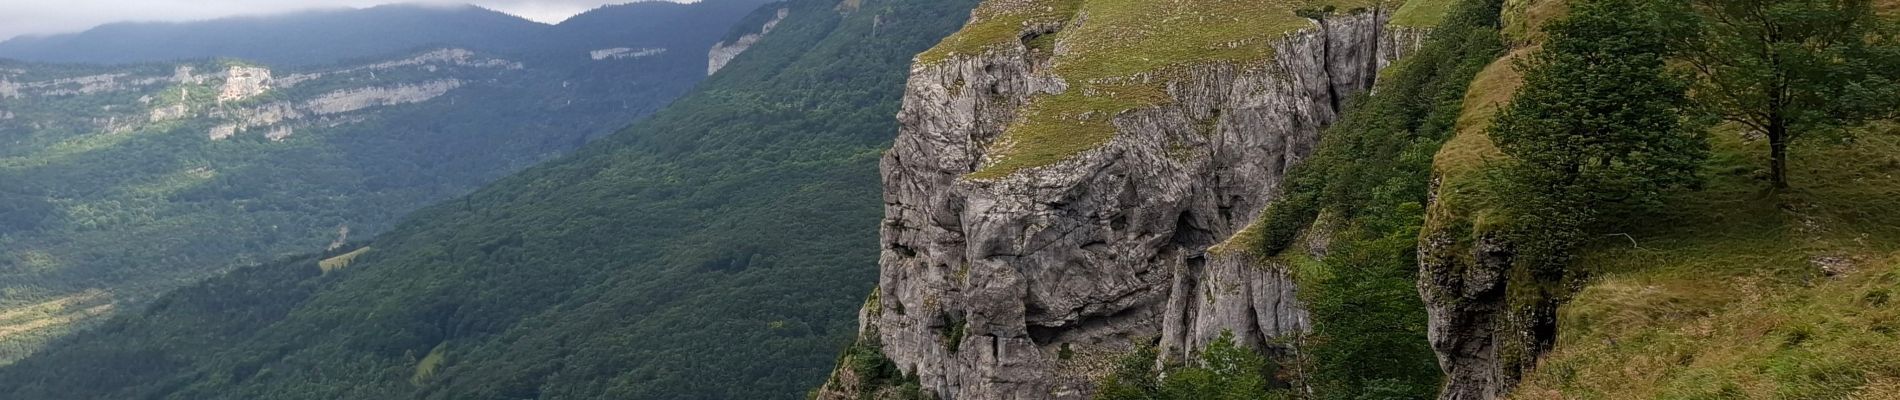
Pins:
<point x="122" y="182"/>
<point x="714" y="250"/>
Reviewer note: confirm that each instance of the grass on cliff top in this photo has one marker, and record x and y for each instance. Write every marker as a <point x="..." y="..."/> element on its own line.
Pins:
<point x="1421" y="13"/>
<point x="996" y="23"/>
<point x="1524" y="19"/>
<point x="1732" y="293"/>
<point x="1121" y="59"/>
<point x="1469" y="146"/>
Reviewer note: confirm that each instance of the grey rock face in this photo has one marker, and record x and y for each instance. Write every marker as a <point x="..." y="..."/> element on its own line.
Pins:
<point x="723" y="53"/>
<point x="1464" y="294"/>
<point x="1108" y="248"/>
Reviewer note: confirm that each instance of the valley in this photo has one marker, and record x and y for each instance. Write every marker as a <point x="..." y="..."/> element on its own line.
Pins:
<point x="125" y="182"/>
<point x="961" y="199"/>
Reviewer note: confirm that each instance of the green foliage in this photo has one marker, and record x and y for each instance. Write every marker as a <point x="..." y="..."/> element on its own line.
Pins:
<point x="427" y="367"/>
<point x="1370" y="175"/>
<point x="650" y="264"/>
<point x="954" y="330"/>
<point x="1594" y="133"/>
<point x="876" y="374"/>
<point x="1595" y="136"/>
<point x="1221" y="371"/>
<point x="1720" y="295"/>
<point x="1790" y="68"/>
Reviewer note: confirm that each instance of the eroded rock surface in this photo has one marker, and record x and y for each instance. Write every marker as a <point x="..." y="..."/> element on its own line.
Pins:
<point x="1011" y="288"/>
<point x="242" y="82"/>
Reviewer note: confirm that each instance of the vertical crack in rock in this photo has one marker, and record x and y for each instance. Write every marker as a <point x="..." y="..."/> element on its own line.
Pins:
<point x="1054" y="271"/>
<point x="1464" y="293"/>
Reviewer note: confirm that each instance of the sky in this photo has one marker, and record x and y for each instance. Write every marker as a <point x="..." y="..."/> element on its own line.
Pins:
<point x="23" y="17"/>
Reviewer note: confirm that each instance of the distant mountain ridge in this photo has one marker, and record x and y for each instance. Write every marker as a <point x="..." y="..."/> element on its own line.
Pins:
<point x="299" y="38"/>
<point x="334" y="36"/>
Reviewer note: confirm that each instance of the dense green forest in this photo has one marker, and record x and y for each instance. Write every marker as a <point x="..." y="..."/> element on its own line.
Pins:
<point x="117" y="188"/>
<point x="714" y="250"/>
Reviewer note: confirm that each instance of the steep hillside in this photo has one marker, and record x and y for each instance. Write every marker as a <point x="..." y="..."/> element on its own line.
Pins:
<point x="1736" y="295"/>
<point x="715" y="250"/>
<point x="1733" y="293"/>
<point x="1729" y="291"/>
<point x="123" y="182"/>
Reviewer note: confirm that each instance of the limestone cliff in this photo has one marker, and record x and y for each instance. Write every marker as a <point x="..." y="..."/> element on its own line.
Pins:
<point x="1004" y="276"/>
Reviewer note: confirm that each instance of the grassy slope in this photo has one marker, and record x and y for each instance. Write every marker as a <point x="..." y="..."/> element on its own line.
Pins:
<point x="1725" y="294"/>
<point x="1735" y="294"/>
<point x="1108" y="61"/>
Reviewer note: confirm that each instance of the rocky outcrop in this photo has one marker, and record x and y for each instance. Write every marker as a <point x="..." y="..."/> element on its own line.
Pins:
<point x="1019" y="287"/>
<point x="170" y="112"/>
<point x="222" y="132"/>
<point x="356" y="99"/>
<point x="1463" y="298"/>
<point x="723" y="53"/>
<point x="623" y="53"/>
<point x="1487" y="323"/>
<point x="81" y="85"/>
<point x="242" y="82"/>
<point x="429" y="61"/>
<point x="337" y="102"/>
<point x="183" y="74"/>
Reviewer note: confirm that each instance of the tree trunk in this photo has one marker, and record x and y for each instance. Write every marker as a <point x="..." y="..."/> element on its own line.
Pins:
<point x="1778" y="153"/>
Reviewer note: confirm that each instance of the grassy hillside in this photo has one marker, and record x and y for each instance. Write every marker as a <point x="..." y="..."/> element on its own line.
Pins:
<point x="715" y="250"/>
<point x="1728" y="292"/>
<point x="1731" y="293"/>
